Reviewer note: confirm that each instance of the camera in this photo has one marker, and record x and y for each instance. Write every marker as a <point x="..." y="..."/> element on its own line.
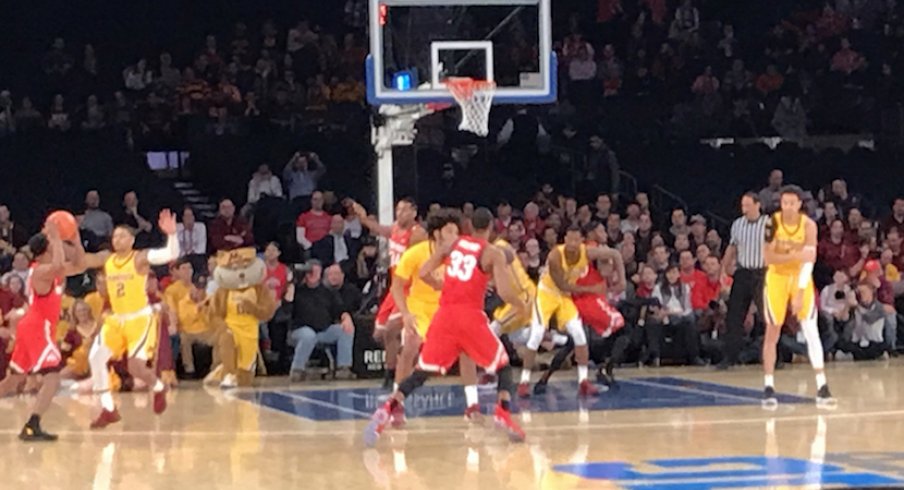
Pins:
<point x="714" y="305"/>
<point x="305" y="267"/>
<point x="839" y="295"/>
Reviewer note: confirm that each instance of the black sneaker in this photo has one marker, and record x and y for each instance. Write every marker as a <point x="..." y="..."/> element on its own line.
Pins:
<point x="824" y="398"/>
<point x="607" y="377"/>
<point x="770" y="402"/>
<point x="389" y="379"/>
<point x="540" y="388"/>
<point x="34" y="433"/>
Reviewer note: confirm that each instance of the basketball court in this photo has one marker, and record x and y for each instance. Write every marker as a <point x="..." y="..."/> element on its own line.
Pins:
<point x="664" y="428"/>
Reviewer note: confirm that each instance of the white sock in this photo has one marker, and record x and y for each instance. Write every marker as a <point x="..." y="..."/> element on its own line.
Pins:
<point x="496" y="327"/>
<point x="471" y="395"/>
<point x="106" y="401"/>
<point x="525" y="375"/>
<point x="158" y="386"/>
<point x="769" y="380"/>
<point x="582" y="373"/>
<point x="820" y="379"/>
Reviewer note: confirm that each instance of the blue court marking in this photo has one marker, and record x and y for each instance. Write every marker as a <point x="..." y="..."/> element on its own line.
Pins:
<point x="449" y="400"/>
<point x="725" y="472"/>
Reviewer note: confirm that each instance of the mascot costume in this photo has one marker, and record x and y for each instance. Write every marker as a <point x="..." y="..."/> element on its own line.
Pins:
<point x="241" y="302"/>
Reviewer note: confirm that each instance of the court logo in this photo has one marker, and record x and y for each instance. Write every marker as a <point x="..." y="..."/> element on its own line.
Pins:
<point x="727" y="472"/>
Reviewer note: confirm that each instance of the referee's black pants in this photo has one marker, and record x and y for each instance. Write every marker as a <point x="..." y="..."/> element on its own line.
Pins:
<point x="747" y="287"/>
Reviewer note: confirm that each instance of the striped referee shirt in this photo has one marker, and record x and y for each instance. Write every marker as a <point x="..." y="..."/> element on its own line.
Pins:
<point x="748" y="237"/>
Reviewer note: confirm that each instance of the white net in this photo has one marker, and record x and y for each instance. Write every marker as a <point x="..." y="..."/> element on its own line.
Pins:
<point x="475" y="98"/>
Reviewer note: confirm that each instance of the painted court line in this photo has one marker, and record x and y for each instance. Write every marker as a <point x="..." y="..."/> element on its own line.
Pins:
<point x="553" y="429"/>
<point x="695" y="391"/>
<point x="321" y="403"/>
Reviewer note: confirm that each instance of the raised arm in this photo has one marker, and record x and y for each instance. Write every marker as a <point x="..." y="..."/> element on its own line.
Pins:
<point x="372" y="224"/>
<point x="166" y="254"/>
<point x="44" y="275"/>
<point x="608" y="254"/>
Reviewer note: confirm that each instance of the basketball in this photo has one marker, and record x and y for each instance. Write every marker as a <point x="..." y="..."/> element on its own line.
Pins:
<point x="65" y="222"/>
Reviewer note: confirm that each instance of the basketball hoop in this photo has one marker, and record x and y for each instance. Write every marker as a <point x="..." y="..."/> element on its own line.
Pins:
<point x="475" y="98"/>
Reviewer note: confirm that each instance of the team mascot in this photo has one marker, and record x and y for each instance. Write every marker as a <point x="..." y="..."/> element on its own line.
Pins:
<point x="241" y="302"/>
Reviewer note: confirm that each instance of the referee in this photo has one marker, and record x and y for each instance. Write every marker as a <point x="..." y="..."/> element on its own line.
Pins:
<point x="746" y="245"/>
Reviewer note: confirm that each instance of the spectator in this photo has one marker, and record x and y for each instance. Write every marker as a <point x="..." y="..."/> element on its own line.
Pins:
<point x="690" y="274"/>
<point x="20" y="269"/>
<point x="603" y="208"/>
<point x="228" y="231"/>
<point x="769" y="82"/>
<point x="133" y="217"/>
<point x="659" y="259"/>
<point x="335" y="247"/>
<point x="59" y="116"/>
<point x="137" y="77"/>
<point x="702" y="253"/>
<point x="366" y="264"/>
<point x="686" y="22"/>
<point x="678" y="225"/>
<point x="836" y="302"/>
<point x="885" y="295"/>
<point x="312" y="226"/>
<point x="697" y="230"/>
<point x="790" y="119"/>
<point x="644" y="236"/>
<point x="835" y="252"/>
<point x="603" y="171"/>
<point x="503" y="216"/>
<point x="57" y="62"/>
<point x="737" y="81"/>
<point x="631" y="223"/>
<point x="11" y="234"/>
<point x="302" y="174"/>
<point x="192" y="235"/>
<point x="27" y="117"/>
<point x="864" y="339"/>
<point x="515" y="234"/>
<point x="896" y="219"/>
<point x="96" y="220"/>
<point x="846" y="60"/>
<point x="93" y="118"/>
<point x="7" y="119"/>
<point x="319" y="318"/>
<point x="610" y="71"/>
<point x="839" y="195"/>
<point x="533" y="225"/>
<point x="349" y="294"/>
<point x="582" y="68"/>
<point x="706" y="83"/>
<point x="675" y="316"/>
<point x="711" y="289"/>
<point x="263" y="182"/>
<point x="728" y="45"/>
<point x="170" y="77"/>
<point x="614" y="235"/>
<point x="769" y="195"/>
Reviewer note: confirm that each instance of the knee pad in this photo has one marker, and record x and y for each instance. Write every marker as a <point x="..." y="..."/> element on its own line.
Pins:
<point x="810" y="330"/>
<point x="535" y="336"/>
<point x="575" y="328"/>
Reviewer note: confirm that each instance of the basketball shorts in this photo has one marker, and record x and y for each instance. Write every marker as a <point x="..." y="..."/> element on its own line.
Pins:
<point x="423" y="314"/>
<point x="387" y="312"/>
<point x="133" y="335"/>
<point x="511" y="321"/>
<point x="778" y="291"/>
<point x="595" y="311"/>
<point x="549" y="304"/>
<point x="461" y="329"/>
<point x="246" y="339"/>
<point x="35" y="350"/>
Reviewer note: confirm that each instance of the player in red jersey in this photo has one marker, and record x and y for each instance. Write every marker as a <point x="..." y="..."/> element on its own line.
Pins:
<point x="35" y="350"/>
<point x="460" y="325"/>
<point x="402" y="234"/>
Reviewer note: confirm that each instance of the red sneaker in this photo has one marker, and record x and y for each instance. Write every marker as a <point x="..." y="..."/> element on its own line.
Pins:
<point x="160" y="401"/>
<point x="504" y="421"/>
<point x="473" y="414"/>
<point x="587" y="388"/>
<point x="397" y="416"/>
<point x="106" y="418"/>
<point x="378" y="422"/>
<point x="524" y="390"/>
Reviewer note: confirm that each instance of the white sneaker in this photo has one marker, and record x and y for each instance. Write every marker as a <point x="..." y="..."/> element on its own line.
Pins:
<point x="229" y="381"/>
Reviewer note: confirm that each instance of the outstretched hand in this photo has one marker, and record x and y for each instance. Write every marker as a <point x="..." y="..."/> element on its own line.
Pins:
<point x="52" y="231"/>
<point x="167" y="222"/>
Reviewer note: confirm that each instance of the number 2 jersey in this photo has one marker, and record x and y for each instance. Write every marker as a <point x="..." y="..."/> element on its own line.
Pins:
<point x="465" y="283"/>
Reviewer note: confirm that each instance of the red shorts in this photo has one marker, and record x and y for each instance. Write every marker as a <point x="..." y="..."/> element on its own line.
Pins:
<point x="387" y="312"/>
<point x="461" y="329"/>
<point x="596" y="312"/>
<point x="35" y="350"/>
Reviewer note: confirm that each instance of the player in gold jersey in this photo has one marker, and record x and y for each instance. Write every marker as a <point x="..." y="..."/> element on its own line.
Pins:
<point x="565" y="265"/>
<point x="790" y="252"/>
<point x="131" y="327"/>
